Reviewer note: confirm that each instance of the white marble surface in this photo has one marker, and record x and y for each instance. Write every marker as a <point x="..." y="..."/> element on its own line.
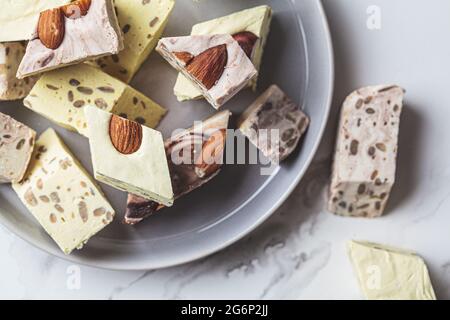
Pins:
<point x="300" y="251"/>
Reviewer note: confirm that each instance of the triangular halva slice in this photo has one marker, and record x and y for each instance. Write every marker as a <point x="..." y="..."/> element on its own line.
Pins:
<point x="250" y="27"/>
<point x="78" y="31"/>
<point x="216" y="64"/>
<point x="207" y="140"/>
<point x="387" y="273"/>
<point x="366" y="152"/>
<point x="129" y="156"/>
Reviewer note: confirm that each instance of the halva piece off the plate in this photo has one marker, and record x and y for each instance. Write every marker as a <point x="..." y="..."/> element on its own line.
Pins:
<point x="274" y="124"/>
<point x="129" y="156"/>
<point x="204" y="143"/>
<point x="18" y="18"/>
<point x="387" y="273"/>
<point x="60" y="96"/>
<point x="16" y="148"/>
<point x="366" y="152"/>
<point x="81" y="30"/>
<point x="62" y="196"/>
<point x="249" y="27"/>
<point x="142" y="24"/>
<point x="216" y="64"/>
<point x="11" y="88"/>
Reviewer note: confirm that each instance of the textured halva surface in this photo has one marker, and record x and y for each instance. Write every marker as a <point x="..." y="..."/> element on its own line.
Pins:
<point x="62" y="196"/>
<point x="142" y="24"/>
<point x="11" y="88"/>
<point x="144" y="172"/>
<point x="256" y="20"/>
<point x="90" y="36"/>
<point x="366" y="152"/>
<point x="183" y="175"/>
<point x="18" y="18"/>
<point x="60" y="96"/>
<point x="274" y="124"/>
<point x="239" y="70"/>
<point x="16" y="147"/>
<point x="387" y="273"/>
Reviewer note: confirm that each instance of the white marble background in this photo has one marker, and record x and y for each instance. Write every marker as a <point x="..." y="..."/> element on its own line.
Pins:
<point x="300" y="252"/>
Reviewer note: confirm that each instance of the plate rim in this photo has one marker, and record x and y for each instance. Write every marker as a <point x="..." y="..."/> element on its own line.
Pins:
<point x="244" y="232"/>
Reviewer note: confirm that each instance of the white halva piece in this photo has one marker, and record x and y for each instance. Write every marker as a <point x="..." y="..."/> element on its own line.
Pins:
<point x="213" y="56"/>
<point x="366" y="152"/>
<point x="93" y="35"/>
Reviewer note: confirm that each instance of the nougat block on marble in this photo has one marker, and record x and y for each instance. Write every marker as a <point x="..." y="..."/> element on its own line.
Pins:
<point x="207" y="140"/>
<point x="215" y="63"/>
<point x="11" y="88"/>
<point x="60" y="95"/>
<point x="16" y="147"/>
<point x="142" y="23"/>
<point x="366" y="152"/>
<point x="129" y="156"/>
<point x="250" y="27"/>
<point x="388" y="273"/>
<point x="274" y="124"/>
<point x="61" y="195"/>
<point x="78" y="31"/>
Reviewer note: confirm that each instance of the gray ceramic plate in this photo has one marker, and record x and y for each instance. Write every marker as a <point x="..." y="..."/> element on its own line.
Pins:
<point x="298" y="58"/>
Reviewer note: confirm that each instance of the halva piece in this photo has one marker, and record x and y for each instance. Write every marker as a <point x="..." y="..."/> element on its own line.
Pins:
<point x="216" y="64"/>
<point x="129" y="156"/>
<point x="366" y="152"/>
<point x="249" y="27"/>
<point x="60" y="96"/>
<point x="62" y="196"/>
<point x="16" y="148"/>
<point x="18" y="18"/>
<point x="274" y="124"/>
<point x="387" y="273"/>
<point x="195" y="156"/>
<point x="11" y="88"/>
<point x="81" y="30"/>
<point x="142" y="24"/>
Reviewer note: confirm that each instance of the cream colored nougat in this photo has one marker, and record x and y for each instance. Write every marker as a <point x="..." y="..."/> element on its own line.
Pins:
<point x="18" y="18"/>
<point x="60" y="96"/>
<point x="62" y="196"/>
<point x="142" y="170"/>
<point x="16" y="148"/>
<point x="366" y="152"/>
<point x="81" y="36"/>
<point x="11" y="88"/>
<point x="216" y="64"/>
<point x="387" y="273"/>
<point x="255" y="21"/>
<point x="142" y="23"/>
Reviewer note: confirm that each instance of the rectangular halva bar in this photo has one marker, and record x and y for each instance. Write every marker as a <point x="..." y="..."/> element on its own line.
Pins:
<point x="11" y="88"/>
<point x="366" y="152"/>
<point x="16" y="147"/>
<point x="60" y="95"/>
<point x="62" y="196"/>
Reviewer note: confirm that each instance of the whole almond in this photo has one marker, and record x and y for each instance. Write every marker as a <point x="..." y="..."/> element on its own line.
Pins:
<point x="209" y="65"/>
<point x="51" y="28"/>
<point x="126" y="135"/>
<point x="246" y="40"/>
<point x="211" y="156"/>
<point x="76" y="9"/>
